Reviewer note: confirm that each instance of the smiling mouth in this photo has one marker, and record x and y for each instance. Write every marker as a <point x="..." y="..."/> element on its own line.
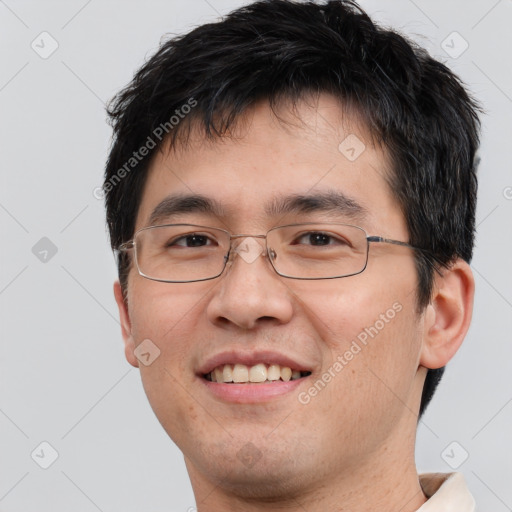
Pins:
<point x="257" y="374"/>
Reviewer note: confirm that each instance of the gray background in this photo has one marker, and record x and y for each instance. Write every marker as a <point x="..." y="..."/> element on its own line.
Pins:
<point x="63" y="376"/>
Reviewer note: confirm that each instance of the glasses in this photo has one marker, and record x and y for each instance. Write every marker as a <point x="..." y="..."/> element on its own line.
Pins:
<point x="185" y="253"/>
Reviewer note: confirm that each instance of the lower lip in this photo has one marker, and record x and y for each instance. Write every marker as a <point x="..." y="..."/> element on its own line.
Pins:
<point x="252" y="393"/>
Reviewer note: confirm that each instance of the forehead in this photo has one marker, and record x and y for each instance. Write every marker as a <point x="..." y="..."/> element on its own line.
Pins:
<point x="312" y="157"/>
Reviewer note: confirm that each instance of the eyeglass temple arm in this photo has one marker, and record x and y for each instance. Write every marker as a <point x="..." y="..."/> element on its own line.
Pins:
<point x="389" y="241"/>
<point x="405" y="244"/>
<point x="126" y="246"/>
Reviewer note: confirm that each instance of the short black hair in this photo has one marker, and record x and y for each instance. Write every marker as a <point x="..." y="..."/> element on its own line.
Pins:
<point x="277" y="50"/>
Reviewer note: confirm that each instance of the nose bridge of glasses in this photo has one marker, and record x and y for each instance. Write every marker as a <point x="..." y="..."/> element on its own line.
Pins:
<point x="247" y="247"/>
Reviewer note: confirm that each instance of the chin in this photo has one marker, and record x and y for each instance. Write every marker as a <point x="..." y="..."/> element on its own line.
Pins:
<point x="266" y="482"/>
<point x="273" y="473"/>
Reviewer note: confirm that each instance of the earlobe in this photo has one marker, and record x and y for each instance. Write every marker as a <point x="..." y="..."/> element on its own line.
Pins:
<point x="126" y="330"/>
<point x="447" y="317"/>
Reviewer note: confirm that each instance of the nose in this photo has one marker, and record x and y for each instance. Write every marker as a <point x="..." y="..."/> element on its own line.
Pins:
<point x="250" y="293"/>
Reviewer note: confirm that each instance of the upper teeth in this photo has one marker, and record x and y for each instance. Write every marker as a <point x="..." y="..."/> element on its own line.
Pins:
<point x="257" y="373"/>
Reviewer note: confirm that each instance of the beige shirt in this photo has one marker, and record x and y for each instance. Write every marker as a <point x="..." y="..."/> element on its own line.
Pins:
<point x="447" y="492"/>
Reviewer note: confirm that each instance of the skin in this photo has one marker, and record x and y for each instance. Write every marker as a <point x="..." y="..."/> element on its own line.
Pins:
<point x="352" y="446"/>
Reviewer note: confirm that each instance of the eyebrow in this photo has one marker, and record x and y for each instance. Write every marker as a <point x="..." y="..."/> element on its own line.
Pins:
<point x="184" y="204"/>
<point x="332" y="202"/>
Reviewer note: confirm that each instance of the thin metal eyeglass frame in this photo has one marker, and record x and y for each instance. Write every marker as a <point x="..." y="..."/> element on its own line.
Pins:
<point x="130" y="244"/>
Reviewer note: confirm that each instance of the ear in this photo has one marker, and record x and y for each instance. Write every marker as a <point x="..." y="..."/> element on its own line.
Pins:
<point x="447" y="317"/>
<point x="126" y="327"/>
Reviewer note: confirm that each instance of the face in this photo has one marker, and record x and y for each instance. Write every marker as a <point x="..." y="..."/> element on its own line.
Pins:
<point x="359" y="337"/>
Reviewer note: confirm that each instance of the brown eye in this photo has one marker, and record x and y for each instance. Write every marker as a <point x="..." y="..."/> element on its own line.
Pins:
<point x="319" y="238"/>
<point x="191" y="240"/>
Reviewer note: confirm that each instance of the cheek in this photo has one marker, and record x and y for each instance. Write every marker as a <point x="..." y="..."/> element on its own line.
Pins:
<point x="163" y="311"/>
<point x="168" y="318"/>
<point x="372" y="344"/>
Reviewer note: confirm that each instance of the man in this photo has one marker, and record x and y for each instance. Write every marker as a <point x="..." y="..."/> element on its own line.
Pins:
<point x="291" y="192"/>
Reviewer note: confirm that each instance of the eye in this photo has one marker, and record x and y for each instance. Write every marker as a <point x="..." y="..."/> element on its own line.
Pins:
<point x="319" y="238"/>
<point x="190" y="240"/>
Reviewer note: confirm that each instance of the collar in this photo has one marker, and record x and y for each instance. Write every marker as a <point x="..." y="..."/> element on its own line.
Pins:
<point x="446" y="492"/>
